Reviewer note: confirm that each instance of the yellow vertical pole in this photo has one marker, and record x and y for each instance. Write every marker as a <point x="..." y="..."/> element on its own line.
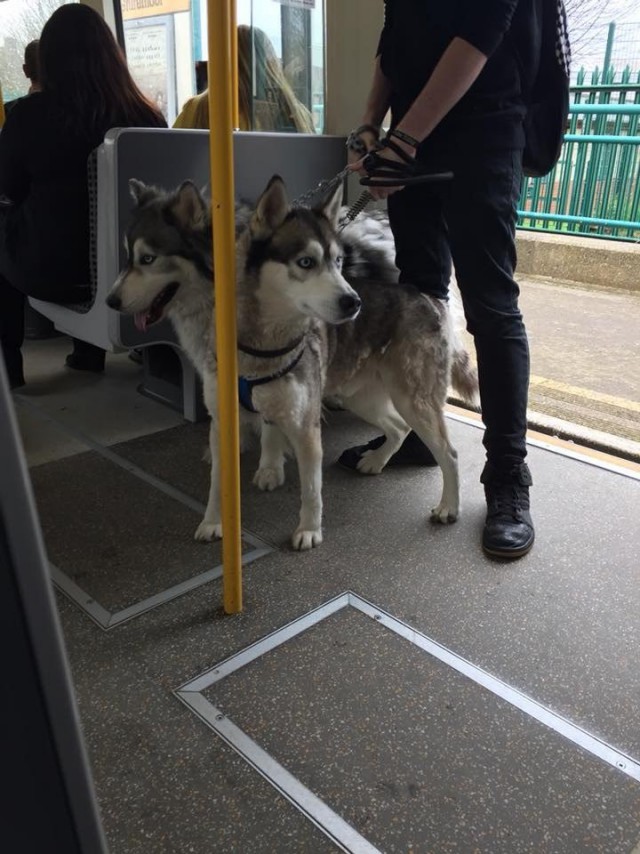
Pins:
<point x="234" y="65"/>
<point x="220" y="23"/>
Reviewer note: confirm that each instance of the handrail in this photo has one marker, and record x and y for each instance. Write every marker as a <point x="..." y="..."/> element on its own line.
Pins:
<point x="589" y="220"/>
<point x="606" y="87"/>
<point x="599" y="109"/>
<point x="604" y="139"/>
<point x="221" y="17"/>
<point x="595" y="188"/>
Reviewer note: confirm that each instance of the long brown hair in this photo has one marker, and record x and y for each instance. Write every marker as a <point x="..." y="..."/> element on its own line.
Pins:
<point x="266" y="100"/>
<point x="275" y="107"/>
<point x="83" y="68"/>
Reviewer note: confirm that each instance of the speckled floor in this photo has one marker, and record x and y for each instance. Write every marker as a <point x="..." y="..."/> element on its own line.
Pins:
<point x="413" y="755"/>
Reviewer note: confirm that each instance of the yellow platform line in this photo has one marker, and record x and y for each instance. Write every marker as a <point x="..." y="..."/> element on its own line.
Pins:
<point x="556" y="442"/>
<point x="585" y="393"/>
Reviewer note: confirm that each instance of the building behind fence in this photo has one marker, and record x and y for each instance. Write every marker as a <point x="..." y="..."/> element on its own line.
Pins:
<point x="594" y="190"/>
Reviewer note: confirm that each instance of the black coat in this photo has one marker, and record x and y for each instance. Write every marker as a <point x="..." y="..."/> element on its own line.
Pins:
<point x="44" y="232"/>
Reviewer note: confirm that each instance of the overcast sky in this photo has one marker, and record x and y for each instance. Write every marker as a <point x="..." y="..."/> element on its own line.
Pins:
<point x="588" y="29"/>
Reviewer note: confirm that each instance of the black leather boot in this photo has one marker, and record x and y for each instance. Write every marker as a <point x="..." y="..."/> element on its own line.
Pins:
<point x="508" y="529"/>
<point x="86" y="357"/>
<point x="13" y="364"/>
<point x="412" y="452"/>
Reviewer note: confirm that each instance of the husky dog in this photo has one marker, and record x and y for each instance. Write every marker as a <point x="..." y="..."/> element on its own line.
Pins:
<point x="318" y="316"/>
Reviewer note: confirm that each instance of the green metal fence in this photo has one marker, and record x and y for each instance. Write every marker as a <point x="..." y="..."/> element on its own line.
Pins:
<point x="594" y="190"/>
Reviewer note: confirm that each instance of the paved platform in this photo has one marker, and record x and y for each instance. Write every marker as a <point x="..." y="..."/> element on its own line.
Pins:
<point x="585" y="352"/>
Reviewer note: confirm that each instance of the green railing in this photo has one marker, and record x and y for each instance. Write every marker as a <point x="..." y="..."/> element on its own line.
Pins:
<point x="594" y="190"/>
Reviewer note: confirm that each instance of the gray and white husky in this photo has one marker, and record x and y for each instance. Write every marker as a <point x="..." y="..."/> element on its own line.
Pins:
<point x="318" y="316"/>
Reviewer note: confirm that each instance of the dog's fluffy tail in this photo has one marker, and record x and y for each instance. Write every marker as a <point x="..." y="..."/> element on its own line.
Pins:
<point x="464" y="377"/>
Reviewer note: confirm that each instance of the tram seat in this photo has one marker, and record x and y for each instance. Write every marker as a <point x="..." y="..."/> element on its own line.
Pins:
<point x="165" y="158"/>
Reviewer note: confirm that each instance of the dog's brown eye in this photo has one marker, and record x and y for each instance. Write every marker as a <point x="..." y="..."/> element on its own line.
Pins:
<point x="306" y="263"/>
<point x="147" y="259"/>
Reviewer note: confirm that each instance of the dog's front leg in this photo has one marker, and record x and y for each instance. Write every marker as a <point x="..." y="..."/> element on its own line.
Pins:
<point x="273" y="443"/>
<point x="307" y="446"/>
<point x="211" y="526"/>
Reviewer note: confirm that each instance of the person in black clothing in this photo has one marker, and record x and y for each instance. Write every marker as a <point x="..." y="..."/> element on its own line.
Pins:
<point x="36" y="324"/>
<point x="31" y="72"/>
<point x="453" y="75"/>
<point x="31" y="66"/>
<point x="44" y="147"/>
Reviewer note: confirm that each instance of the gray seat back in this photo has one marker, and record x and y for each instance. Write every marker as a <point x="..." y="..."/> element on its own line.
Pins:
<point x="165" y="158"/>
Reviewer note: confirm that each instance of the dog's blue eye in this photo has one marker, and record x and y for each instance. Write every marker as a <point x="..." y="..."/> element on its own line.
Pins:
<point x="306" y="263"/>
<point x="147" y="259"/>
<point x="339" y="261"/>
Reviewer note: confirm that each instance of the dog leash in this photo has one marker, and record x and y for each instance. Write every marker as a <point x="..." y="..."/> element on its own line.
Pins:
<point x="356" y="208"/>
<point x="325" y="187"/>
<point x="383" y="179"/>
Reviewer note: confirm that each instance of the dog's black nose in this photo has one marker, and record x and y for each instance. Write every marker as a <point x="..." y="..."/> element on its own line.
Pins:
<point x="350" y="304"/>
<point x="114" y="301"/>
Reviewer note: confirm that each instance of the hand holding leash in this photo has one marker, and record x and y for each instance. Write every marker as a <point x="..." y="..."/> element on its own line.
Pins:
<point x="360" y="141"/>
<point x="390" y="166"/>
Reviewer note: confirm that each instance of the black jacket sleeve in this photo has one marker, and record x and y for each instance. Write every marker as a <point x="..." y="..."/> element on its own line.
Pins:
<point x="486" y="22"/>
<point x="14" y="178"/>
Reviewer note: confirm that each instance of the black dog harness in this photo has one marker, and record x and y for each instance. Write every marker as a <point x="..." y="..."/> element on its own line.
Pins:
<point x="246" y="385"/>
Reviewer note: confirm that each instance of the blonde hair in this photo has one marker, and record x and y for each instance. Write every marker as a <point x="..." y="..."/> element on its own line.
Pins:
<point x="195" y="113"/>
<point x="266" y="100"/>
<point x="262" y="84"/>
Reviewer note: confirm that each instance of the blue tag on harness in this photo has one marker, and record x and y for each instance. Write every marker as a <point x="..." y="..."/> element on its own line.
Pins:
<point x="244" y="394"/>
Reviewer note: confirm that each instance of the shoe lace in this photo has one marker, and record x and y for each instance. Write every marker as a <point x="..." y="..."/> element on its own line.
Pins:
<point x="507" y="499"/>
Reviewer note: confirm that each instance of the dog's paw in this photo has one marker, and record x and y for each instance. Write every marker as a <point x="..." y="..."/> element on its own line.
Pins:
<point x="443" y="514"/>
<point x="304" y="540"/>
<point x="268" y="479"/>
<point x="371" y="463"/>
<point x="208" y="531"/>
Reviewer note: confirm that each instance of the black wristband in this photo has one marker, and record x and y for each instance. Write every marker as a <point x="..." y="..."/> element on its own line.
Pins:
<point x="404" y="137"/>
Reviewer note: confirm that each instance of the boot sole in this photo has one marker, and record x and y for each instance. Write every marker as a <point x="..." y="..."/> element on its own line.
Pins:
<point x="512" y="554"/>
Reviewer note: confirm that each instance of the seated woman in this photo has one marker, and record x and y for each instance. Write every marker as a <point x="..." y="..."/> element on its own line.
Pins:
<point x="274" y="106"/>
<point x="44" y="147"/>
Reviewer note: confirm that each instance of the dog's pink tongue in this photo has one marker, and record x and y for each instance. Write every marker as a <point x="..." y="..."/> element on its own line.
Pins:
<point x="140" y="320"/>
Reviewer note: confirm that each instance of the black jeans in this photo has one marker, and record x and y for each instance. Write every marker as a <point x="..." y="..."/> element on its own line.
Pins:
<point x="11" y="329"/>
<point x="471" y="221"/>
<point x="12" y="305"/>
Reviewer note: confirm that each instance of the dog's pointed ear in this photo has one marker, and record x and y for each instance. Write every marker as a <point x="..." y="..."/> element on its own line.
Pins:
<point x="140" y="192"/>
<point x="189" y="207"/>
<point x="271" y="210"/>
<point x="332" y="206"/>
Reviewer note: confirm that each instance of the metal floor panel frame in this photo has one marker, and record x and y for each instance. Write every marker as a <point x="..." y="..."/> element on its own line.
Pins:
<point x="97" y="612"/>
<point x="329" y="822"/>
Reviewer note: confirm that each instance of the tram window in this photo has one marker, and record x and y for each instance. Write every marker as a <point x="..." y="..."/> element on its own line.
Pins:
<point x="166" y="42"/>
<point x="21" y="21"/>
